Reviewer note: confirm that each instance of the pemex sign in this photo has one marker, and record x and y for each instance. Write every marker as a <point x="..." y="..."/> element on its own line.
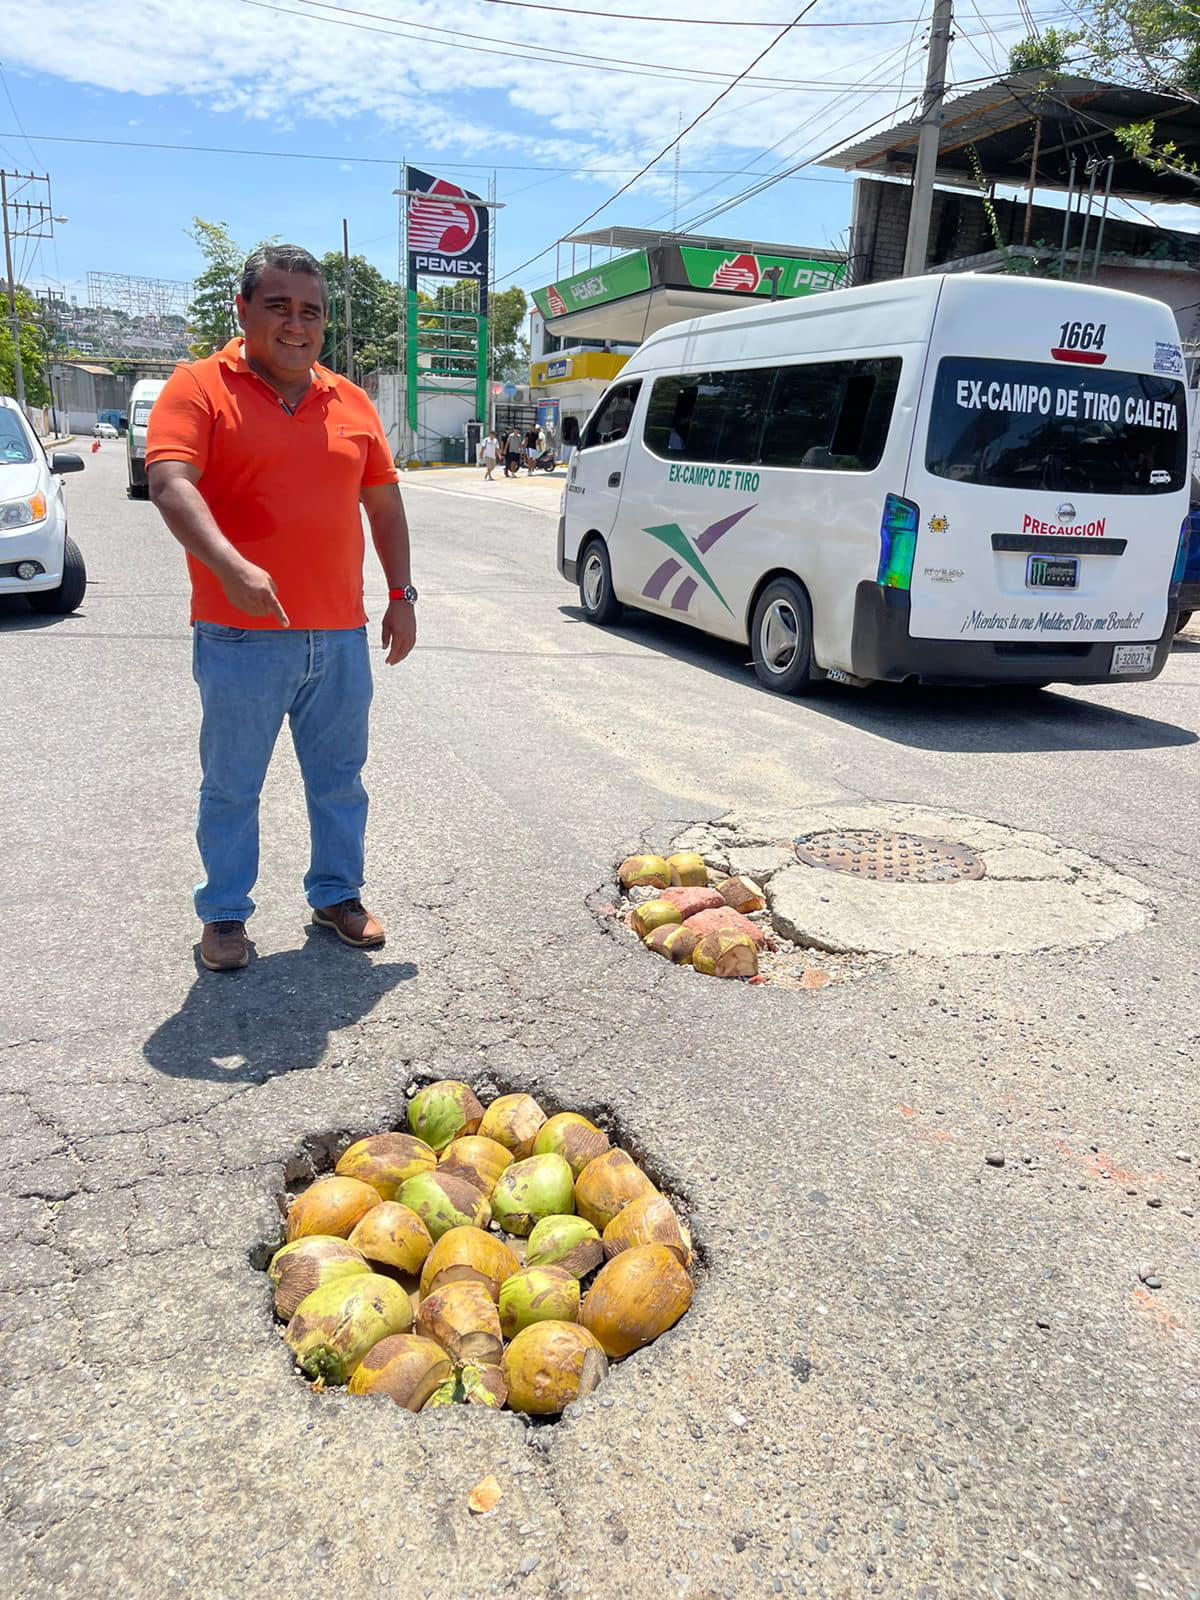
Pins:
<point x="750" y="273"/>
<point x="447" y="230"/>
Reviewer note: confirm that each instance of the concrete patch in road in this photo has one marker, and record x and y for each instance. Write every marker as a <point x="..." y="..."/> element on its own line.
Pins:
<point x="1036" y="894"/>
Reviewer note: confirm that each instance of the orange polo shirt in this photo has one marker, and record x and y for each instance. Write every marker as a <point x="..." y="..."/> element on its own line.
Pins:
<point x="283" y="489"/>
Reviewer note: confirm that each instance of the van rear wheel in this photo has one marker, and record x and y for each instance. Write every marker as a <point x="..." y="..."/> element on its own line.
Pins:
<point x="781" y="638"/>
<point x="596" y="596"/>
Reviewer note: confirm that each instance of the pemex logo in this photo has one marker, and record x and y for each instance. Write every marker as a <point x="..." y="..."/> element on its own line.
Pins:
<point x="558" y="306"/>
<point x="740" y="273"/>
<point x="442" y="221"/>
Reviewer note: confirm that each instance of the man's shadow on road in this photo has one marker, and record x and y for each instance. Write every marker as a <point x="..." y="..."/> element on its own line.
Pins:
<point x="273" y="1016"/>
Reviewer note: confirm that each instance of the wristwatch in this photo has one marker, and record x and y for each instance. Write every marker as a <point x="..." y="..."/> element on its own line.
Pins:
<point x="408" y="593"/>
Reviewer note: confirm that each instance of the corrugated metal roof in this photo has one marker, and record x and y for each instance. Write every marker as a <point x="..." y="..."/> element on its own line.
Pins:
<point x="88" y="366"/>
<point x="1078" y="116"/>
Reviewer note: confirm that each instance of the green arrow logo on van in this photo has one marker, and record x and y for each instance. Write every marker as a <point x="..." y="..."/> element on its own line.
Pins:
<point x="673" y="536"/>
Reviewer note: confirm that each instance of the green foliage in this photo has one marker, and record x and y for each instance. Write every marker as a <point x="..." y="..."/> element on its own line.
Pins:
<point x="33" y="350"/>
<point x="374" y="309"/>
<point x="1048" y="52"/>
<point x="212" y="321"/>
<point x="1154" y="43"/>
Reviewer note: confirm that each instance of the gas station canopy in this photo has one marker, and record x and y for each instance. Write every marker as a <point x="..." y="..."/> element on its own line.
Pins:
<point x="665" y="278"/>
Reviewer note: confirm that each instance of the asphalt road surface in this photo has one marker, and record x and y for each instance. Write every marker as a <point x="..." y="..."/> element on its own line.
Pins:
<point x="907" y="1372"/>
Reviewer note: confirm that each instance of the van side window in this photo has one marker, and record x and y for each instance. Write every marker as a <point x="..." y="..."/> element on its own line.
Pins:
<point x="612" y="420"/>
<point x="708" y="416"/>
<point x="831" y="414"/>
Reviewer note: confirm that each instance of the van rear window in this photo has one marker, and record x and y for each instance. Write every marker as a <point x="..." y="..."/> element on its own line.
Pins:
<point x="1029" y="425"/>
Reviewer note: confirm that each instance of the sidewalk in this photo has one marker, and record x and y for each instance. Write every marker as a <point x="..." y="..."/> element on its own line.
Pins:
<point x="541" y="492"/>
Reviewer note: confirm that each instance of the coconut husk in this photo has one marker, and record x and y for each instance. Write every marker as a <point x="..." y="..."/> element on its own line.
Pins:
<point x="640" y="872"/>
<point x="513" y="1120"/>
<point x="479" y="1160"/>
<point x="444" y="1111"/>
<point x="404" y="1366"/>
<point x="674" y="941"/>
<point x="688" y="869"/>
<point x="568" y="1242"/>
<point x="468" y="1255"/>
<point x="538" y="1294"/>
<point x="573" y="1137"/>
<point x="725" y="955"/>
<point x="301" y="1274"/>
<point x="650" y="1219"/>
<point x="607" y="1185"/>
<point x="483" y="1386"/>
<point x="330" y="1206"/>
<point x="539" y="1186"/>
<point x="444" y="1200"/>
<point x="336" y="1325"/>
<point x="463" y="1319"/>
<point x="725" y="919"/>
<point x="395" y="1235"/>
<point x="653" y="914"/>
<point x="385" y="1161"/>
<point x="550" y="1364"/>
<point x="743" y="894"/>
<point x="319" y="1245"/>
<point x="693" y="901"/>
<point x="637" y="1295"/>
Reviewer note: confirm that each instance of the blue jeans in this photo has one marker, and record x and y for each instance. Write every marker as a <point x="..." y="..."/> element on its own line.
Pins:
<point x="249" y="680"/>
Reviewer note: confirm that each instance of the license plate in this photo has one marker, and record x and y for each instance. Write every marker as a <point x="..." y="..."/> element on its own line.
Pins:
<point x="1052" y="572"/>
<point x="1132" y="658"/>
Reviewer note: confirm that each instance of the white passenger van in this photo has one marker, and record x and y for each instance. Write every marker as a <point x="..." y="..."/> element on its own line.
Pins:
<point x="145" y="392"/>
<point x="957" y="479"/>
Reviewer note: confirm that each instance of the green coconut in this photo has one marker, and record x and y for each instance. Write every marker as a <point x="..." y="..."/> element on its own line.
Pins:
<point x="444" y="1200"/>
<point x="539" y="1186"/>
<point x="443" y="1111"/>
<point x="644" y="872"/>
<point x="537" y="1294"/>
<point x="304" y="1271"/>
<point x="385" y="1161"/>
<point x="653" y="914"/>
<point x="403" y="1366"/>
<point x="568" y="1242"/>
<point x="573" y="1137"/>
<point x="336" y="1325"/>
<point x="325" y="1246"/>
<point x="513" y="1120"/>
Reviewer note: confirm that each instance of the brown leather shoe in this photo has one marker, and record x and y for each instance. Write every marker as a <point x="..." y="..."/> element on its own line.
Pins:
<point x="352" y="923"/>
<point x="224" y="946"/>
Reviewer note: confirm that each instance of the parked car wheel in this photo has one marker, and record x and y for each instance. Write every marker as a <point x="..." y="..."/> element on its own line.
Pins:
<point x="69" y="594"/>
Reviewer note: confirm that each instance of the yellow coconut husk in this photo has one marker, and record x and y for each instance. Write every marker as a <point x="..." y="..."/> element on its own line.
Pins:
<point x="468" y="1255"/>
<point x="477" y="1159"/>
<point x="336" y="1325"/>
<point x="637" y="1295"/>
<point x="676" y="941"/>
<point x="550" y="1364"/>
<point x="726" y="955"/>
<point x="321" y="1246"/>
<point x="395" y="1235"/>
<point x="573" y="1137"/>
<point x="513" y="1121"/>
<point x="538" y="1294"/>
<point x="743" y="894"/>
<point x="305" y="1271"/>
<point x="644" y="872"/>
<point x="405" y="1366"/>
<point x="606" y="1186"/>
<point x="463" y="1319"/>
<point x="332" y="1206"/>
<point x="653" y="914"/>
<point x="650" y="1219"/>
<point x="687" y="870"/>
<point x="385" y="1161"/>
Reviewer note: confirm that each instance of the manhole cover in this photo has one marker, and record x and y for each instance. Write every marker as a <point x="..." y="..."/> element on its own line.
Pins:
<point x="889" y="857"/>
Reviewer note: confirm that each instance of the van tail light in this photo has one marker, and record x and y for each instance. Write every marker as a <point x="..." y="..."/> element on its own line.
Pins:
<point x="1181" y="551"/>
<point x="897" y="542"/>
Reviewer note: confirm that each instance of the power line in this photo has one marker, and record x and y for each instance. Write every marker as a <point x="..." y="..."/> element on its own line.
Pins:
<point x="548" y="56"/>
<point x="673" y="142"/>
<point x="372" y="161"/>
<point x="721" y="22"/>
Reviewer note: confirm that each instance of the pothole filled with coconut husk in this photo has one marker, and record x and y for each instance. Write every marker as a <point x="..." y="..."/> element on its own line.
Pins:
<point x="486" y="1255"/>
<point x="697" y="913"/>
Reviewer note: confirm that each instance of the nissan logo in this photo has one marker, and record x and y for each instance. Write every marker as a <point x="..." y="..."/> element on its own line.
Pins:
<point x="1066" y="511"/>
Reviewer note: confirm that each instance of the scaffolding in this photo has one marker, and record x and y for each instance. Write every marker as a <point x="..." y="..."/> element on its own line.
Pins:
<point x="138" y="297"/>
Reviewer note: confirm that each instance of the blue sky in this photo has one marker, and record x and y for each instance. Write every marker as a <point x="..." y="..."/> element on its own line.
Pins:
<point x="341" y="80"/>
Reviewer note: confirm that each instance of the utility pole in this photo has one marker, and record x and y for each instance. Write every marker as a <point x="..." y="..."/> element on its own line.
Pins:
<point x="18" y="369"/>
<point x="917" y="248"/>
<point x="346" y="298"/>
<point x="22" y="219"/>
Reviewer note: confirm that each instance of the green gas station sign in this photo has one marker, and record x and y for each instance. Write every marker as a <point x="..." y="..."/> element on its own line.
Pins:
<point x="614" y="280"/>
<point x="729" y="272"/>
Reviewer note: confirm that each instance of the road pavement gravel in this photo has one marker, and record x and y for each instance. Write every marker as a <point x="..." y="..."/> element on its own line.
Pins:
<point x="908" y="1371"/>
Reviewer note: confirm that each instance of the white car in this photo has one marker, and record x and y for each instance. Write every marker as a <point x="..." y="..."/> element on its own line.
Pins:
<point x="38" y="558"/>
<point x="105" y="430"/>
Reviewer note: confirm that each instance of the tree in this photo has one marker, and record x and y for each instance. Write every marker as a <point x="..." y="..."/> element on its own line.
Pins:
<point x="211" y="317"/>
<point x="374" y="308"/>
<point x="1048" y="52"/>
<point x="33" y="353"/>
<point x="1153" y="43"/>
<point x="506" y="320"/>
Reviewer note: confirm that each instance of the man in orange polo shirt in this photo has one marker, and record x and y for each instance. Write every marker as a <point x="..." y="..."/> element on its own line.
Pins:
<point x="258" y="460"/>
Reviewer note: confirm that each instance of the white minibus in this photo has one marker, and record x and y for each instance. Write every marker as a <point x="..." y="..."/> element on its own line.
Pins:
<point x="955" y="479"/>
<point x="145" y="392"/>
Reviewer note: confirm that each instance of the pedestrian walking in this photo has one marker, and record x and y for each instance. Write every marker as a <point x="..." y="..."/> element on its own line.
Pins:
<point x="531" y="451"/>
<point x="512" y="454"/>
<point x="489" y="454"/>
<point x="258" y="459"/>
